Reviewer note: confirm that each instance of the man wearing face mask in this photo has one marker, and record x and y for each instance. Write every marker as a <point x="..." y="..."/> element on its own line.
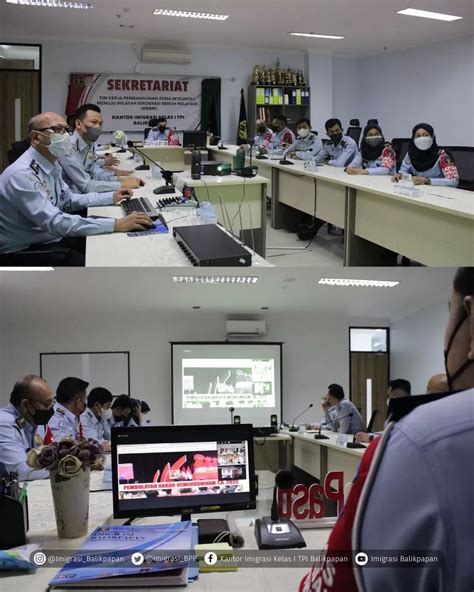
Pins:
<point x="263" y="137"/>
<point x="283" y="136"/>
<point x="160" y="132"/>
<point x="70" y="405"/>
<point x="96" y="418"/>
<point x="307" y="144"/>
<point x="36" y="205"/>
<point x="341" y="149"/>
<point x="426" y="161"/>
<point x="376" y="157"/>
<point x="414" y="486"/>
<point x="83" y="171"/>
<point x="31" y="405"/>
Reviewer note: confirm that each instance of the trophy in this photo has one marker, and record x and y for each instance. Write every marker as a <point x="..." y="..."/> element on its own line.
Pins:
<point x="256" y="75"/>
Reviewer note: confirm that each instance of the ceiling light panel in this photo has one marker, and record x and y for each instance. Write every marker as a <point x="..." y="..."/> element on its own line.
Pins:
<point x="352" y="283"/>
<point x="215" y="279"/>
<point x="437" y="16"/>
<point x="52" y="4"/>
<point x="191" y="15"/>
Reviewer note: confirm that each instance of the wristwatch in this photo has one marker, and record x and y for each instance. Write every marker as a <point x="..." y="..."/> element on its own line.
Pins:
<point x="428" y="182"/>
<point x="371" y="438"/>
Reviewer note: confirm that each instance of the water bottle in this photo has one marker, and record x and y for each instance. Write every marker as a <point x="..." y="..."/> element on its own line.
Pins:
<point x="156" y="173"/>
<point x="240" y="159"/>
<point x="207" y="213"/>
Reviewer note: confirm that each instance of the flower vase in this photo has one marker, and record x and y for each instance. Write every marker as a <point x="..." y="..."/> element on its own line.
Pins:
<point x="71" y="503"/>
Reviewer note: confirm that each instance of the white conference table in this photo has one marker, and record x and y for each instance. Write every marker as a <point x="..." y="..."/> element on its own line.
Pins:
<point x="43" y="532"/>
<point x="318" y="457"/>
<point x="435" y="227"/>
<point x="157" y="250"/>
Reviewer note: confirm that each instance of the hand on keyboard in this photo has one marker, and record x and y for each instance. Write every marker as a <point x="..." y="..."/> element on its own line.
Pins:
<point x="122" y="194"/>
<point x="130" y="182"/>
<point x="134" y="221"/>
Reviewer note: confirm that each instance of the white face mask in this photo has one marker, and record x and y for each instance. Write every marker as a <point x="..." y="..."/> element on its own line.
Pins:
<point x="424" y="142"/>
<point x="303" y="132"/>
<point x="60" y="145"/>
<point x="106" y="414"/>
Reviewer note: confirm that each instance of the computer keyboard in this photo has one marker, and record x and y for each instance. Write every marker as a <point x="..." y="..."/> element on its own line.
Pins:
<point x="139" y="204"/>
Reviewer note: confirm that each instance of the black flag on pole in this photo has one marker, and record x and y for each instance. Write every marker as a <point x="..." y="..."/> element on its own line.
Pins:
<point x="242" y="134"/>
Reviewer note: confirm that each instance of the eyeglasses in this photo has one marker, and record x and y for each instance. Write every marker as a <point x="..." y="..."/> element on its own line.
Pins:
<point x="56" y="129"/>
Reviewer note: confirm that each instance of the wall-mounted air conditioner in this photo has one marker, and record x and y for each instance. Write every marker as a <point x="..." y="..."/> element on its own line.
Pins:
<point x="245" y="328"/>
<point x="153" y="54"/>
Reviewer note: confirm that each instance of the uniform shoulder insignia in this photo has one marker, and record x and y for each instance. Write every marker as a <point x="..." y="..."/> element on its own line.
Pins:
<point x="19" y="422"/>
<point x="35" y="166"/>
<point x="60" y="411"/>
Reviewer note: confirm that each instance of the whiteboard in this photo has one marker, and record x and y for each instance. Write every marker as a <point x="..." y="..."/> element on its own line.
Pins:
<point x="110" y="370"/>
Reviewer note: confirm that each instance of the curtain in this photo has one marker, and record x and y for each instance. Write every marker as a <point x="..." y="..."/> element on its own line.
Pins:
<point x="211" y="105"/>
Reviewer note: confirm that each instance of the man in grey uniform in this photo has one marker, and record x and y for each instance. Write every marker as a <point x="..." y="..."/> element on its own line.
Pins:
<point x="36" y="206"/>
<point x="83" y="171"/>
<point x="419" y="497"/>
<point x="340" y="414"/>
<point x="96" y="418"/>
<point x="340" y="152"/>
<point x="70" y="404"/>
<point x="31" y="405"/>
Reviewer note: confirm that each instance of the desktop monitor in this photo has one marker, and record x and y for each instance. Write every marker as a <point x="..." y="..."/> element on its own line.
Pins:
<point x="193" y="139"/>
<point x="182" y="470"/>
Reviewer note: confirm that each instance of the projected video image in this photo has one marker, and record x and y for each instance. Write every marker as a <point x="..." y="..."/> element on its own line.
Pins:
<point x="232" y="473"/>
<point x="231" y="454"/>
<point x="228" y="383"/>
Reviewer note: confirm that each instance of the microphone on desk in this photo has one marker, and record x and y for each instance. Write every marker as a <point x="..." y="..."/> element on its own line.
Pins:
<point x="167" y="175"/>
<point x="273" y="532"/>
<point x="231" y="409"/>
<point x="354" y="444"/>
<point x="292" y="428"/>
<point x="319" y="436"/>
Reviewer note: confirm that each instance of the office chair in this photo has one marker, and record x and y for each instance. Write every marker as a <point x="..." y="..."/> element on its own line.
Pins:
<point x="354" y="130"/>
<point x="400" y="145"/>
<point x="370" y="425"/>
<point x="147" y="132"/>
<point x="464" y="158"/>
<point x="17" y="149"/>
<point x="372" y="122"/>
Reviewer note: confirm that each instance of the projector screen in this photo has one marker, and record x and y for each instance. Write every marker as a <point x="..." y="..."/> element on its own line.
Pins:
<point x="209" y="378"/>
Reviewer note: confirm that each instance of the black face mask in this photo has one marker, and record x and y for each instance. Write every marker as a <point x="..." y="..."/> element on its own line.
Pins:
<point x="336" y="138"/>
<point x="162" y="128"/>
<point x="261" y="129"/>
<point x="467" y="363"/>
<point x="42" y="416"/>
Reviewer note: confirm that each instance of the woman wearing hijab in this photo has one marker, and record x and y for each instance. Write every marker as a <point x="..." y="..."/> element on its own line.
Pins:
<point x="426" y="161"/>
<point x="376" y="156"/>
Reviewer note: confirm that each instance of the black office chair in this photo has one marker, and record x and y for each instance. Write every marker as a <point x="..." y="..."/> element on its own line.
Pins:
<point x="17" y="150"/>
<point x="370" y="425"/>
<point x="372" y="122"/>
<point x="354" y="130"/>
<point x="147" y="132"/>
<point x="464" y="158"/>
<point x="400" y="145"/>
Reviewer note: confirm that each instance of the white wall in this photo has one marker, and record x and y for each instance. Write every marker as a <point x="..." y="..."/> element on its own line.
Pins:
<point x="319" y="68"/>
<point x="315" y="351"/>
<point x="432" y="84"/>
<point x="417" y="346"/>
<point x="60" y="58"/>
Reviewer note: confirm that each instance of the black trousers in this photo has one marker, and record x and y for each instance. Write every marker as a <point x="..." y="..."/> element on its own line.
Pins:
<point x="68" y="252"/>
